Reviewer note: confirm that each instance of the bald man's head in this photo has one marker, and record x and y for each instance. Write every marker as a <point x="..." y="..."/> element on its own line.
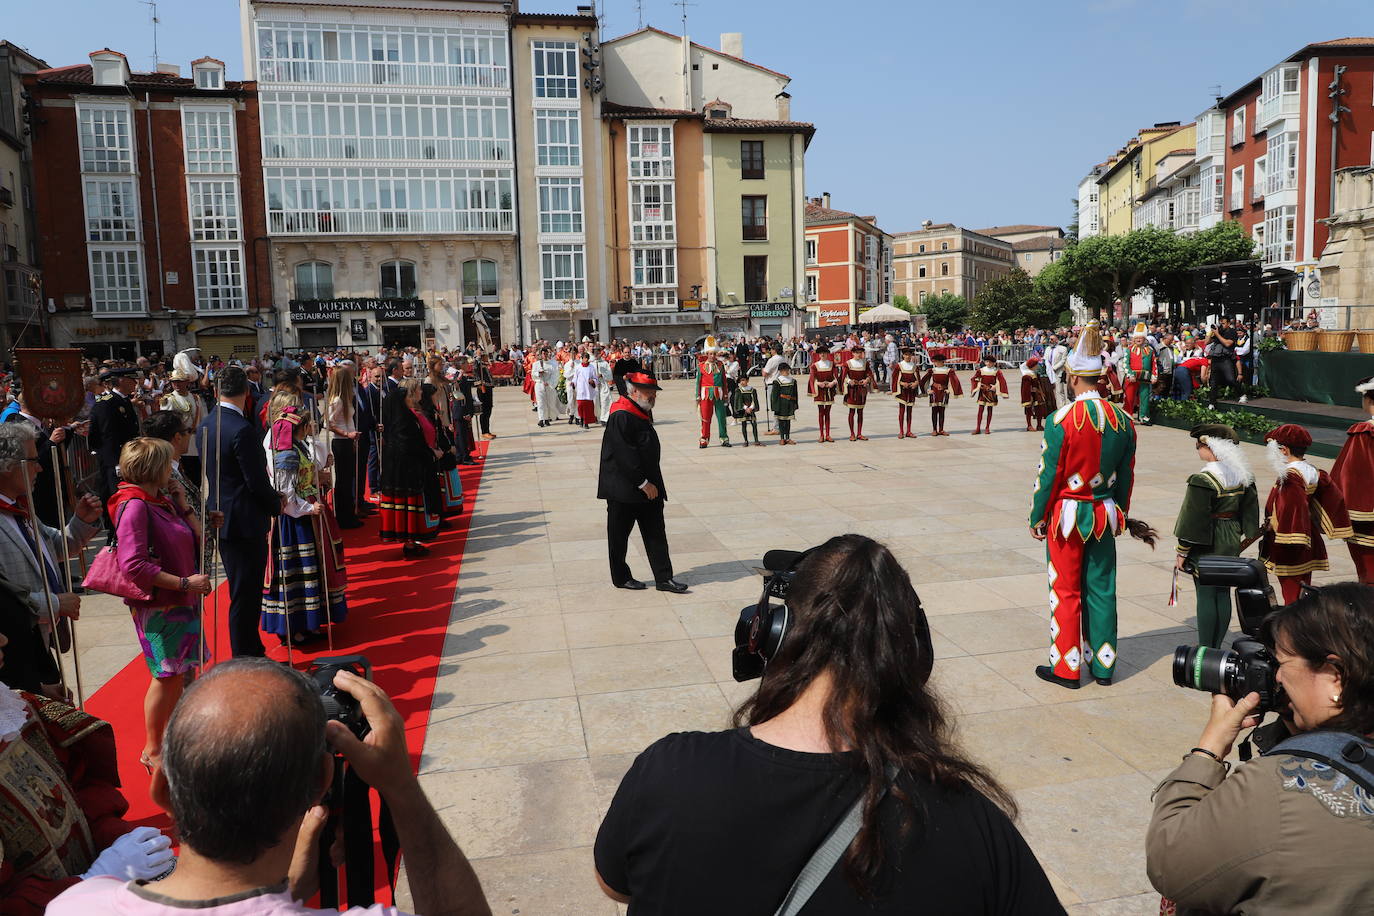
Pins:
<point x="244" y="757"/>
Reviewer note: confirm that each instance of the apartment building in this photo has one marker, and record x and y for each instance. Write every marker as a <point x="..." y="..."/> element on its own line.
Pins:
<point x="942" y="258"/>
<point x="848" y="264"/>
<point x="22" y="319"/>
<point x="1173" y="199"/>
<point x="156" y="256"/>
<point x="1033" y="246"/>
<point x="1089" y="205"/>
<point x="1131" y="173"/>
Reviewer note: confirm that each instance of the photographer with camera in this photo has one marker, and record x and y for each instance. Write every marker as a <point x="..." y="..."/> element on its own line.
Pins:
<point x="245" y="764"/>
<point x="841" y="772"/>
<point x="1293" y="830"/>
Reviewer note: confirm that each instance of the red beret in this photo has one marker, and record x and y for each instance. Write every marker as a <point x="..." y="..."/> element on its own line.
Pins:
<point x="1291" y="435"/>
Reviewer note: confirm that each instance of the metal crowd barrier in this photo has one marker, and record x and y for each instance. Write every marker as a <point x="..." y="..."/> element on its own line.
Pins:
<point x="674" y="365"/>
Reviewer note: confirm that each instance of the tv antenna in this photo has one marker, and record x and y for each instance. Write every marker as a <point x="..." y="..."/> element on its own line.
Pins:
<point x="639" y="14"/>
<point x="152" y="12"/>
<point x="684" y="4"/>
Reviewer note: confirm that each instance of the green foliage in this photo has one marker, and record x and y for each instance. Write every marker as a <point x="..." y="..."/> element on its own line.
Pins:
<point x="902" y="302"/>
<point x="1224" y="242"/>
<point x="1270" y="344"/>
<point x="1010" y="302"/>
<point x="1187" y="414"/>
<point x="946" y="312"/>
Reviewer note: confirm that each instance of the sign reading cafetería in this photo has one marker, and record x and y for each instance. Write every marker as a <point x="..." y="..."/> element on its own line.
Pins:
<point x="385" y="309"/>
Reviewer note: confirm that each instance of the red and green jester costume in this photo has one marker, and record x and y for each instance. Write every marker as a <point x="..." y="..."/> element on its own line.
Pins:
<point x="1082" y="495"/>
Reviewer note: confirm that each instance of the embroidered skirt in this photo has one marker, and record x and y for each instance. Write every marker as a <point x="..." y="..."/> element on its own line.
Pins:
<point x="170" y="639"/>
<point x="450" y="493"/>
<point x="405" y="518"/>
<point x="296" y="579"/>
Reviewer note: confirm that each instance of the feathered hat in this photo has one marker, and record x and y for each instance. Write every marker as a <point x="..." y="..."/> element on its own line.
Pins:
<point x="1086" y="359"/>
<point x="1365" y="386"/>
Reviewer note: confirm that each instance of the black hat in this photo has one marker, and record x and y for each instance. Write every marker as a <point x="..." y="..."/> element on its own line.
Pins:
<point x="642" y="379"/>
<point x="109" y="375"/>
<point x="1214" y="431"/>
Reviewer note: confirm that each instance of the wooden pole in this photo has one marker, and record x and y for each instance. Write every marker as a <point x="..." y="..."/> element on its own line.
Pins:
<point x="67" y="574"/>
<point x="40" y="558"/>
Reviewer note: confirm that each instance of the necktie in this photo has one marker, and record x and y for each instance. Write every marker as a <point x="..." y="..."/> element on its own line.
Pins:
<point x="48" y="572"/>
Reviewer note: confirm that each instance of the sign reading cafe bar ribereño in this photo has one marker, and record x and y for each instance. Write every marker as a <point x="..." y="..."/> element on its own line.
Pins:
<point x="388" y="309"/>
<point x="770" y="309"/>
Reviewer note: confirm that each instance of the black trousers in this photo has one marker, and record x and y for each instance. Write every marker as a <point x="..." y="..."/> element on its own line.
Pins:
<point x="245" y="562"/>
<point x="1223" y="375"/>
<point x="345" y="479"/>
<point x="620" y="519"/>
<point x="485" y="415"/>
<point x="374" y="461"/>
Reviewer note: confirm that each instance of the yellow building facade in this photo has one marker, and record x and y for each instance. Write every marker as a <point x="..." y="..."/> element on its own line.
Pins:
<point x="1131" y="173"/>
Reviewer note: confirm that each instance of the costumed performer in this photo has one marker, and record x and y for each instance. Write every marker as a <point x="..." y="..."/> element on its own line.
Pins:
<point x="985" y="385"/>
<point x="744" y="407"/>
<point x="1303" y="505"/>
<point x="1036" y="393"/>
<point x="821" y="384"/>
<point x="905" y="380"/>
<point x="941" y="382"/>
<point x="711" y="393"/>
<point x="1139" y="371"/>
<point x="857" y="380"/>
<point x="783" y="401"/>
<point x="1353" y="472"/>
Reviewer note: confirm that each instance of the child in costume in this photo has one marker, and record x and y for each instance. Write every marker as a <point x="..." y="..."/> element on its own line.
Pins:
<point x="940" y="381"/>
<point x="784" y="403"/>
<point x="857" y="377"/>
<point x="906" y="385"/>
<point x="1303" y="505"/>
<point x="744" y="407"/>
<point x="985" y="385"/>
<point x="1036" y="393"/>
<point x="822" y="384"/>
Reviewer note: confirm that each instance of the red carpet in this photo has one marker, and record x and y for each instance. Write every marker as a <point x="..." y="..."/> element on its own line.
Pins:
<point x="398" y="613"/>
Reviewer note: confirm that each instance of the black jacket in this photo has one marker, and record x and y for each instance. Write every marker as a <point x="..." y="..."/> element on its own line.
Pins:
<point x="407" y="462"/>
<point x="237" y="474"/>
<point x="629" y="456"/>
<point x="114" y="421"/>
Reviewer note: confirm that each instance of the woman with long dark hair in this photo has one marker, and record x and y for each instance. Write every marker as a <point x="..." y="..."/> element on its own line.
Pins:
<point x="723" y="822"/>
<point x="409" y="451"/>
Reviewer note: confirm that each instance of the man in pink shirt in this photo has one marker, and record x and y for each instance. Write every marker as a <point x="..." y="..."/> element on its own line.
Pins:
<point x="245" y="762"/>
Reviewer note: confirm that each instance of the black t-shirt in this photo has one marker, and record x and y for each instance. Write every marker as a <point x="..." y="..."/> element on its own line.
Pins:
<point x="722" y="823"/>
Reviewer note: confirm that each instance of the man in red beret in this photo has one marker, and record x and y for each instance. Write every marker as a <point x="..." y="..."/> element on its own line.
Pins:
<point x="1303" y="505"/>
<point x="1353" y="472"/>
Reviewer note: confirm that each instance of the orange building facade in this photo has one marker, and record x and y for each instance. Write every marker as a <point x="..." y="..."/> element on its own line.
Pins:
<point x="848" y="264"/>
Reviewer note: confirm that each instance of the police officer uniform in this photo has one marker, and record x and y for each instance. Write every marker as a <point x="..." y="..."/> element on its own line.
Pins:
<point x="114" y="421"/>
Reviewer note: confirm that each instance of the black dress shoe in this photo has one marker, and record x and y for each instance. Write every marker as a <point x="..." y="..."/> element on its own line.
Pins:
<point x="1046" y="673"/>
<point x="1103" y="681"/>
<point x="632" y="584"/>
<point x="672" y="585"/>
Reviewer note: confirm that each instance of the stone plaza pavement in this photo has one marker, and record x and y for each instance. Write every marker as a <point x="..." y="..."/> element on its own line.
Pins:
<point x="552" y="681"/>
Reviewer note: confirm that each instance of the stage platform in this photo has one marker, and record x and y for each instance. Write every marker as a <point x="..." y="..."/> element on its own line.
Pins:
<point x="1326" y="422"/>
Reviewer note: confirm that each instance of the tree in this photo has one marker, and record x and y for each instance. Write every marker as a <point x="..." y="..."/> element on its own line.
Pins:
<point x="903" y="303"/>
<point x="945" y="312"/>
<point x="1012" y="302"/>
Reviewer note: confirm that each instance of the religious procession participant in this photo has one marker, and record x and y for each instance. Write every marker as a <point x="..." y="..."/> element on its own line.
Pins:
<point x="544" y="372"/>
<point x="905" y="381"/>
<point x="1139" y="369"/>
<point x="1353" y="472"/>
<point x="822" y="383"/>
<point x="711" y="396"/>
<point x="1303" y="505"/>
<point x="985" y="385"/>
<point x="1037" y="393"/>
<point x="744" y="407"/>
<point x="783" y="400"/>
<point x="857" y="379"/>
<point x="304" y="592"/>
<point x="191" y="409"/>
<point x="1219" y="516"/>
<point x="940" y="381"/>
<point x="407" y="467"/>
<point x="1082" y="496"/>
<point x="605" y="383"/>
<point x="567" y="386"/>
<point x="584" y="382"/>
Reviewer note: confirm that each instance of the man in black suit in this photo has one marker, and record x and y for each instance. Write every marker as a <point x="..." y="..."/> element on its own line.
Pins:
<point x="114" y="421"/>
<point x="236" y="470"/>
<point x="44" y="493"/>
<point x="631" y="482"/>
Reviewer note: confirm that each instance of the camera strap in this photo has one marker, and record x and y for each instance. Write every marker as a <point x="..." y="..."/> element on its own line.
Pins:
<point x="351" y="810"/>
<point x="1342" y="751"/>
<point x="823" y="860"/>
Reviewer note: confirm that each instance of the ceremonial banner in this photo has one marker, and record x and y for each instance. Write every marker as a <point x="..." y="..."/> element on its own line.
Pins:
<point x="52" y="382"/>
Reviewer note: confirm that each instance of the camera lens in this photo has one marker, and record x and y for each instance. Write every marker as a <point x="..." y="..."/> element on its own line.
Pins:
<point x="1204" y="668"/>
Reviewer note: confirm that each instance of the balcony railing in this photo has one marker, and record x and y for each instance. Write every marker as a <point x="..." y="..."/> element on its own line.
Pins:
<point x="1237" y="199"/>
<point x="1280" y="182"/>
<point x="1268" y="110"/>
<point x="1257" y="193"/>
<point x="317" y="222"/>
<point x="388" y="73"/>
<point x="443" y="149"/>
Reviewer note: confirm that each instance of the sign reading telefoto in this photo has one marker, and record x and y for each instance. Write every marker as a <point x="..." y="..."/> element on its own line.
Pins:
<point x="333" y="309"/>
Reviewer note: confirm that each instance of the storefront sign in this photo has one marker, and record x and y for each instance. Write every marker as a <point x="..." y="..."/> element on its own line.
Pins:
<point x="357" y="329"/>
<point x="400" y="310"/>
<point x="314" y="310"/>
<point x="134" y="330"/>
<point x="333" y="309"/>
<point x="834" y="315"/>
<point x="641" y="319"/>
<point x="770" y="310"/>
<point x="690" y="305"/>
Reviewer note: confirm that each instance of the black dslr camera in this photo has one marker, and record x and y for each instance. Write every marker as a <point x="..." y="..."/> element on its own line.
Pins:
<point x="1249" y="666"/>
<point x="762" y="625"/>
<point x="340" y="705"/>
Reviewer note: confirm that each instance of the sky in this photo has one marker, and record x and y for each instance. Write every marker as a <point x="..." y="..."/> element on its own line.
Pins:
<point x="976" y="112"/>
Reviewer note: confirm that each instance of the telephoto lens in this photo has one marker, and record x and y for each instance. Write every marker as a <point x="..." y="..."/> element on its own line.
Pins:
<point x="1248" y="667"/>
<point x="1204" y="668"/>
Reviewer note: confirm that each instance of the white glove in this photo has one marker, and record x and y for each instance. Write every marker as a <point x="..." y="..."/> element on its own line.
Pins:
<point x="141" y="854"/>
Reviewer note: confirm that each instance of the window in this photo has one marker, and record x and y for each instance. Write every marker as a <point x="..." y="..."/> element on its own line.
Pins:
<point x="219" y="279"/>
<point x="214" y="210"/>
<point x="650" y="148"/>
<point x="558" y="137"/>
<point x="812" y="293"/>
<point x="1282" y="156"/>
<point x="1237" y="187"/>
<point x="116" y="281"/>
<point x="756" y="278"/>
<point x="811" y="251"/>
<point x="1280" y="234"/>
<point x="209" y="139"/>
<point x="111" y="210"/>
<point x="754" y="217"/>
<point x="651" y="212"/>
<point x="348" y="54"/>
<point x="479" y="280"/>
<point x="388" y="200"/>
<point x="560" y="204"/>
<point x="944" y="246"/>
<point x="751" y="158"/>
<point x="921" y="271"/>
<point x="1238" y="127"/>
<point x="398" y="280"/>
<point x="1257" y="184"/>
<point x="314" y="280"/>
<point x="106" y="144"/>
<point x="655" y="300"/>
<point x="564" y="272"/>
<point x="921" y="296"/>
<point x="944" y="268"/>
<point x="655" y="266"/>
<point x="922" y="248"/>
<point x="555" y="69"/>
<point x="209" y="78"/>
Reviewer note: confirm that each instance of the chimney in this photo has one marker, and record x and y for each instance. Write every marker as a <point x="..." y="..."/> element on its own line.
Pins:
<point x="732" y="43"/>
<point x="825" y="197"/>
<point x="784" y="101"/>
<point x="169" y="69"/>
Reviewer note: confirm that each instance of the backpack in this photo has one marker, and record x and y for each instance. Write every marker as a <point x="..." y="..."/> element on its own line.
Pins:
<point x="1350" y="754"/>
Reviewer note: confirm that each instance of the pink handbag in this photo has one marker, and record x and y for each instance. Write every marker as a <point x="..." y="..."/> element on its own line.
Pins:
<point x="106" y="576"/>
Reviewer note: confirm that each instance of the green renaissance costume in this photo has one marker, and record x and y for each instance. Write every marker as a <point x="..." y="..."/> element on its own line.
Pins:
<point x="1215" y="520"/>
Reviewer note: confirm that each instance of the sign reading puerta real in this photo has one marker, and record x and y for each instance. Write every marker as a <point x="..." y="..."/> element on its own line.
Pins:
<point x="52" y="382"/>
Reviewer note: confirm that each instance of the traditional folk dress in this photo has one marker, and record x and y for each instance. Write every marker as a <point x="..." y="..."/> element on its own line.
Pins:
<point x="783" y="401"/>
<point x="1353" y="473"/>
<point x="407" y="469"/>
<point x="822" y="384"/>
<point x="857" y="378"/>
<point x="1139" y="369"/>
<point x="987" y="382"/>
<point x="1082" y="495"/>
<point x="1037" y="395"/>
<point x="906" y="385"/>
<point x="1220" y="512"/>
<point x="306" y="560"/>
<point x="711" y="399"/>
<point x="1303" y="505"/>
<point x="943" y="383"/>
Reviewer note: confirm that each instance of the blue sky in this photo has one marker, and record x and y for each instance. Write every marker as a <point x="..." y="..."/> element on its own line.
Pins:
<point x="978" y="112"/>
